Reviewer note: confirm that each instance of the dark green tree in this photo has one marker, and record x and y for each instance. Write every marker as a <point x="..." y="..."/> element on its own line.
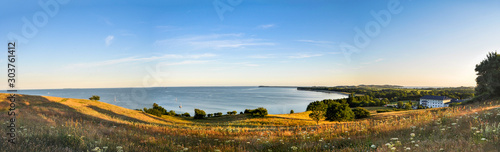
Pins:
<point x="407" y="106"/>
<point x="291" y="111"/>
<point x="339" y="112"/>
<point x="317" y="115"/>
<point x="317" y="105"/>
<point x="400" y="104"/>
<point x="95" y="97"/>
<point x="199" y="114"/>
<point x="488" y="75"/>
<point x="361" y="113"/>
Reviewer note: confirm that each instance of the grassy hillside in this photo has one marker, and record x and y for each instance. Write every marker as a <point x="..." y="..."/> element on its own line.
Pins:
<point x="61" y="124"/>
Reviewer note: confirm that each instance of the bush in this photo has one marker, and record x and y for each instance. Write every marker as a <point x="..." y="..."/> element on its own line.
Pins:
<point x="157" y="110"/>
<point x="95" y="97"/>
<point x="382" y="111"/>
<point x="259" y="112"/>
<point x="171" y="113"/>
<point x="291" y="111"/>
<point x="199" y="114"/>
<point x="210" y="115"/>
<point x="186" y="115"/>
<point x="361" y="113"/>
<point x="232" y="113"/>
<point x="218" y="114"/>
<point x="408" y="106"/>
<point x="339" y="112"/>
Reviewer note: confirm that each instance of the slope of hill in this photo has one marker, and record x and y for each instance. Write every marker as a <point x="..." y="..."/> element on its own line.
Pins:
<point x="62" y="124"/>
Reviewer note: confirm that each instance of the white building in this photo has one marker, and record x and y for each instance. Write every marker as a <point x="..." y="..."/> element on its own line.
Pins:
<point x="435" y="101"/>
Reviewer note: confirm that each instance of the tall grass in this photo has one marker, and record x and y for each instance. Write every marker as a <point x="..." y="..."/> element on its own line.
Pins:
<point x="62" y="124"/>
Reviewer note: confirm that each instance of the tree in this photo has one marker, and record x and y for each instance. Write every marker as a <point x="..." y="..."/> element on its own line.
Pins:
<point x="407" y="106"/>
<point x="488" y="75"/>
<point x="95" y="97"/>
<point x="186" y="115"/>
<point x="352" y="99"/>
<point x="259" y="112"/>
<point x="171" y="113"/>
<point x="210" y="115"/>
<point x="386" y="101"/>
<point x="360" y="113"/>
<point x="317" y="115"/>
<point x="291" y="111"/>
<point x="400" y="105"/>
<point x="218" y="114"/>
<point x="320" y="105"/>
<point x="157" y="110"/>
<point x="339" y="112"/>
<point x="199" y="114"/>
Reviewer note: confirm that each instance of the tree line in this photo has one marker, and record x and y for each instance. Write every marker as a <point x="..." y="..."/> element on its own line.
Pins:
<point x="397" y="94"/>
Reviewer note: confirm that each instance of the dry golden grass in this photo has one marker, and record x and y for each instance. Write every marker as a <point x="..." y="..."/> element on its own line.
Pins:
<point x="62" y="124"/>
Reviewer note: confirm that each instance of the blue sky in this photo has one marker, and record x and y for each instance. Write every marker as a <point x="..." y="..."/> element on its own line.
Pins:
<point x="94" y="44"/>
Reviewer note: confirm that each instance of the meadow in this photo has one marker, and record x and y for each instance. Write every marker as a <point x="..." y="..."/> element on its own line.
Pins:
<point x="49" y="123"/>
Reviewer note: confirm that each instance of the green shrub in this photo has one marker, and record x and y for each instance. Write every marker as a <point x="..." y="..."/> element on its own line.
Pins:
<point x="361" y="113"/>
<point x="186" y="115"/>
<point x="171" y="113"/>
<point x="382" y="111"/>
<point x="218" y="114"/>
<point x="339" y="112"/>
<point x="95" y="97"/>
<point x="259" y="112"/>
<point x="199" y="114"/>
<point x="210" y="115"/>
<point x="158" y="110"/>
<point x="291" y="112"/>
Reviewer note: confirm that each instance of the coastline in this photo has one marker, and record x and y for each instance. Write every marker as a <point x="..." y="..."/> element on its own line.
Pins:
<point x="328" y="91"/>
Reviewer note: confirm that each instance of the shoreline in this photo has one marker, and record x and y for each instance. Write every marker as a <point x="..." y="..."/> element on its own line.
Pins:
<point x="328" y="91"/>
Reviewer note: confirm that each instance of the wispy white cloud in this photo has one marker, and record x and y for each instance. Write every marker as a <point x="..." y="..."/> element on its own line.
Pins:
<point x="300" y="56"/>
<point x="144" y="59"/>
<point x="108" y="40"/>
<point x="262" y="56"/>
<point x="213" y="41"/>
<point x="266" y="26"/>
<point x="189" y="62"/>
<point x="316" y="42"/>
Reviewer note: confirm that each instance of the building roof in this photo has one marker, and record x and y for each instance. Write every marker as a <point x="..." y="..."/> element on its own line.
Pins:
<point x="435" y="97"/>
